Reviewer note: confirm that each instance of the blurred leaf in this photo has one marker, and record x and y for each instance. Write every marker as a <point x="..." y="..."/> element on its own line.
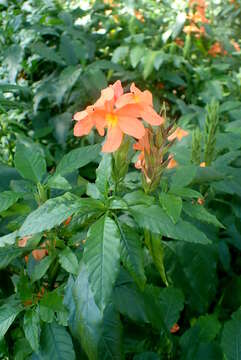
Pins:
<point x="171" y="302"/>
<point x="61" y="123"/>
<point x="7" y="199"/>
<point x="13" y="57"/>
<point x="136" y="55"/>
<point x="200" y="213"/>
<point x="47" y="53"/>
<point x="29" y="161"/>
<point x="231" y="337"/>
<point x="103" y="174"/>
<point x="41" y="268"/>
<point x="8" y="314"/>
<point x="120" y="54"/>
<point x="67" y="50"/>
<point x="183" y="176"/>
<point x="68" y="261"/>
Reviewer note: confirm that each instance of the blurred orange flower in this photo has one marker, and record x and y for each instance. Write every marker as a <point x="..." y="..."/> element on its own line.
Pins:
<point x="178" y="134"/>
<point x="235" y="45"/>
<point x="203" y="164"/>
<point x="216" y="49"/>
<point x="175" y="328"/>
<point x="139" y="16"/>
<point x="172" y="163"/>
<point x="142" y="145"/>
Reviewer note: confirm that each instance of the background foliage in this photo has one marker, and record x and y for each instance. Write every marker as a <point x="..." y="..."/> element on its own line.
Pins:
<point x="118" y="274"/>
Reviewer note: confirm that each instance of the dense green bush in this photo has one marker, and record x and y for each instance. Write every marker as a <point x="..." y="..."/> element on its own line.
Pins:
<point x="99" y="259"/>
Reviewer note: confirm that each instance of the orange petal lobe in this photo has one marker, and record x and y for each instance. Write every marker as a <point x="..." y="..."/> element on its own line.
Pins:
<point x="113" y="140"/>
<point x="131" y="126"/>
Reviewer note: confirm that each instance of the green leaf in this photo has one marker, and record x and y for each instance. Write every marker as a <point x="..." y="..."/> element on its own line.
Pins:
<point x="101" y="257"/>
<point x="138" y="197"/>
<point x="7" y="199"/>
<point x="31" y="327"/>
<point x="183" y="176"/>
<point x="29" y="161"/>
<point x="149" y="355"/>
<point x="120" y="54"/>
<point x="110" y="344"/>
<point x="8" y="314"/>
<point x="156" y="250"/>
<point x="77" y="158"/>
<point x="41" y="268"/>
<point x="8" y="254"/>
<point x="185" y="192"/>
<point x="58" y="182"/>
<point x="200" y="213"/>
<point x="67" y="50"/>
<point x="88" y="317"/>
<point x="46" y="53"/>
<point x="153" y="218"/>
<point x="8" y="239"/>
<point x="132" y="254"/>
<point x="69" y="261"/>
<point x="149" y="64"/>
<point x="192" y="268"/>
<point x="12" y="58"/>
<point x="53" y="300"/>
<point x="67" y="79"/>
<point x="205" y="330"/>
<point x="136" y="55"/>
<point x="103" y="174"/>
<point x="171" y="302"/>
<point x="231" y="337"/>
<point x="56" y="343"/>
<point x="52" y="213"/>
<point x="172" y="205"/>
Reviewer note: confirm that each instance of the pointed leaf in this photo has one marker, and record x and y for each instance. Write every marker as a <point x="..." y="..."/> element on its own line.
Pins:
<point x="31" y="327"/>
<point x="69" y="261"/>
<point x="7" y="199"/>
<point x="101" y="257"/>
<point x="8" y="314"/>
<point x="41" y="268"/>
<point x="172" y="205"/>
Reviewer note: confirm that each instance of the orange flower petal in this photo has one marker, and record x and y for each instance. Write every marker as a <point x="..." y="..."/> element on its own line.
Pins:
<point x="203" y="164"/>
<point x="118" y="89"/>
<point x="125" y="100"/>
<point x="113" y="140"/>
<point x="178" y="134"/>
<point x="83" y="127"/>
<point x="131" y="126"/>
<point x="23" y="242"/>
<point x="151" y="117"/>
<point x="39" y="254"/>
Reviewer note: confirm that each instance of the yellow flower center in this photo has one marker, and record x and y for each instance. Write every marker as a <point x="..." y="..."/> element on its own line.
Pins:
<point x="111" y="120"/>
<point x="136" y="98"/>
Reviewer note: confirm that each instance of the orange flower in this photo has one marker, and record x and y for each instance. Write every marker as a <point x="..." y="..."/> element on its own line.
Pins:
<point x="179" y="42"/>
<point x="119" y="114"/>
<point x="23" y="242"/>
<point x="66" y="222"/>
<point x="200" y="201"/>
<point x="172" y="163"/>
<point x="139" y="16"/>
<point x="191" y="29"/>
<point x="175" y="328"/>
<point x="203" y="164"/>
<point x="143" y="99"/>
<point x="216" y="49"/>
<point x="235" y="45"/>
<point x="142" y="145"/>
<point x="178" y="134"/>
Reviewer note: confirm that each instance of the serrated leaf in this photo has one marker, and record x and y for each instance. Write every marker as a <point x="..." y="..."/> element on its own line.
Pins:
<point x="87" y="317"/>
<point x="185" y="192"/>
<point x="53" y="212"/>
<point x="56" y="343"/>
<point x="200" y="213"/>
<point x="153" y="218"/>
<point x="101" y="257"/>
<point x="7" y="199"/>
<point x="149" y="64"/>
<point x="132" y="254"/>
<point x="47" y="53"/>
<point x="8" y="314"/>
<point x="41" y="268"/>
<point x="172" y="205"/>
<point x="77" y="158"/>
<point x="138" y="197"/>
<point x="31" y="328"/>
<point x="29" y="161"/>
<point x="69" y="261"/>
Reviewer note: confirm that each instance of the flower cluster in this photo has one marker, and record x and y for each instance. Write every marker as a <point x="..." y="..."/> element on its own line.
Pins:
<point x="196" y="16"/>
<point x="216" y="49"/>
<point x="119" y="113"/>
